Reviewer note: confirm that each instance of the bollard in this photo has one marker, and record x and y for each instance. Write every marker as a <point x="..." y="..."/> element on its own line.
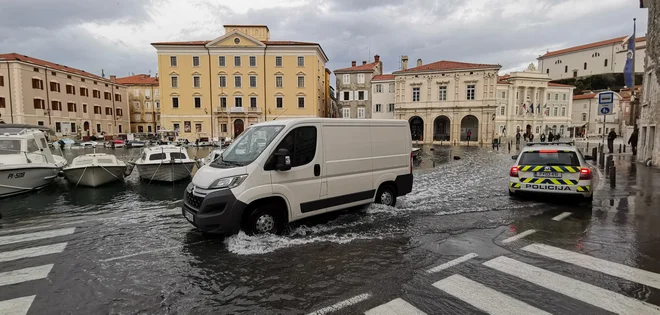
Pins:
<point x="509" y="146"/>
<point x="624" y="148"/>
<point x="601" y="159"/>
<point x="608" y="163"/>
<point x="613" y="176"/>
<point x="594" y="154"/>
<point x="620" y="147"/>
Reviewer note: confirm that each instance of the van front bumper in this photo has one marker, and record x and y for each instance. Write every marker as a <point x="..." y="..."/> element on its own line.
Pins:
<point x="217" y="212"/>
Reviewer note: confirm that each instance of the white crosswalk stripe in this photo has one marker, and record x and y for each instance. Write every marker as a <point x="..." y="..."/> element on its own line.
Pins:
<point x="19" y="306"/>
<point x="591" y="294"/>
<point x="485" y="298"/>
<point x="607" y="267"/>
<point x="395" y="307"/>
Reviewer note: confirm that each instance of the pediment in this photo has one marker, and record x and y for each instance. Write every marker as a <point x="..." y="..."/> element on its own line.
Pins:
<point x="235" y="39"/>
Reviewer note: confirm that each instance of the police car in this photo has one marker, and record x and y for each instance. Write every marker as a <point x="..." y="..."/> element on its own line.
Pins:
<point x="551" y="168"/>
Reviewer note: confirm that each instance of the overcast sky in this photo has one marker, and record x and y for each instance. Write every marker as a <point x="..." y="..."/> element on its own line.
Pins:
<point x="115" y="35"/>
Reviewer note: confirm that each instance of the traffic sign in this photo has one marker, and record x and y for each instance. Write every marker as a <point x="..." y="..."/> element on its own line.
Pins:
<point x="606" y="103"/>
<point x="605" y="110"/>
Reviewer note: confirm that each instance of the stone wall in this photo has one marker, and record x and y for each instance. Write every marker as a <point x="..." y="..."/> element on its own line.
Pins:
<point x="649" y="121"/>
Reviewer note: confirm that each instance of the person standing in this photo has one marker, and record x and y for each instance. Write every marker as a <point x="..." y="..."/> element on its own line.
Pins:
<point x="469" y="135"/>
<point x="518" y="137"/>
<point x="610" y="140"/>
<point x="542" y="137"/>
<point x="551" y="137"/>
<point x="633" y="141"/>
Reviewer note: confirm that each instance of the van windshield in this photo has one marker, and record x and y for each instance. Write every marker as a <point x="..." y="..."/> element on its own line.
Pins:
<point x="248" y="146"/>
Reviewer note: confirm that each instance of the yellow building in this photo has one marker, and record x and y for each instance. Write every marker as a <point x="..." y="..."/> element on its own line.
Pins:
<point x="219" y="87"/>
<point x="143" y="102"/>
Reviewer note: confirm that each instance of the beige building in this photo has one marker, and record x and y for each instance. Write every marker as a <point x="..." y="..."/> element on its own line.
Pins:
<point x="69" y="101"/>
<point x="607" y="56"/>
<point x="445" y="100"/>
<point x="219" y="87"/>
<point x="587" y="119"/>
<point x="144" y="102"/>
<point x="354" y="86"/>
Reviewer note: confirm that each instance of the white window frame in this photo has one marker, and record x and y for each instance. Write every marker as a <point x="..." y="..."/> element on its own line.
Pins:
<point x="298" y="61"/>
<point x="442" y="93"/>
<point x="253" y="58"/>
<point x="193" y="61"/>
<point x="390" y="107"/>
<point x="199" y="78"/>
<point x="502" y="111"/>
<point x="255" y="81"/>
<point x="176" y="61"/>
<point x="177" y="102"/>
<point x="379" y="88"/>
<point x="563" y="111"/>
<point x="298" y="102"/>
<point x="378" y="108"/>
<point x="222" y="97"/>
<point x="360" y="78"/>
<point x="222" y="61"/>
<point x="303" y="81"/>
<point x="195" y="98"/>
<point x="416" y="94"/>
<point x="282" y="102"/>
<point x="346" y="112"/>
<point x="281" y="81"/>
<point x="255" y="102"/>
<point x="238" y="83"/>
<point x="471" y="90"/>
<point x="236" y="103"/>
<point x="222" y="78"/>
<point x="361" y="113"/>
<point x="554" y="111"/>
<point x="147" y="105"/>
<point x="237" y="58"/>
<point x="346" y="79"/>
<point x="281" y="61"/>
<point x="174" y="82"/>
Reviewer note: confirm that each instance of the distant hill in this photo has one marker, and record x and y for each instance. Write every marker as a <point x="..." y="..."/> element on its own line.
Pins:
<point x="612" y="81"/>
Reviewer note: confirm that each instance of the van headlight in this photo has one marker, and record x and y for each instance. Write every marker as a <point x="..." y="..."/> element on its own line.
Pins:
<point x="228" y="182"/>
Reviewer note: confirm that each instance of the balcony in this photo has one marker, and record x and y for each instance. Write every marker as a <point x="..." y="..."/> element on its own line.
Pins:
<point x="238" y="110"/>
<point x="73" y="115"/>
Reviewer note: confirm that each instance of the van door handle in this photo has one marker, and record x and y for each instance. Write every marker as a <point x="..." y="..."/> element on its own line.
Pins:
<point x="317" y="170"/>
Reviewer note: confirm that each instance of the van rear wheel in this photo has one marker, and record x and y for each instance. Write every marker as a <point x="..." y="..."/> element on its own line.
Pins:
<point x="386" y="195"/>
<point x="264" y="219"/>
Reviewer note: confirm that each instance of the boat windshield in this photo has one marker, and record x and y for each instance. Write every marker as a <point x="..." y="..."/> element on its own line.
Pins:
<point x="10" y="146"/>
<point x="248" y="146"/>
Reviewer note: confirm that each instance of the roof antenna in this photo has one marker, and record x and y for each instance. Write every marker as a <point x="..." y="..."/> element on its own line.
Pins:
<point x="102" y="74"/>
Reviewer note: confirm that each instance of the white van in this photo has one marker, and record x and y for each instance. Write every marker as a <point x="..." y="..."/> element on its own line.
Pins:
<point x="306" y="167"/>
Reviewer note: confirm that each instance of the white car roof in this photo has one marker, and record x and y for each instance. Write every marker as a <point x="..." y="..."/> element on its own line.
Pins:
<point x="564" y="146"/>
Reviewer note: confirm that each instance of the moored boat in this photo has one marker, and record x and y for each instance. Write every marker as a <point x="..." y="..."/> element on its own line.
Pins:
<point x="165" y="163"/>
<point x="96" y="169"/>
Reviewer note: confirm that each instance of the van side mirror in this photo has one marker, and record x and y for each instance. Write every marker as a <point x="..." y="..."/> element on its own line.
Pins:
<point x="514" y="157"/>
<point x="283" y="160"/>
<point x="588" y="157"/>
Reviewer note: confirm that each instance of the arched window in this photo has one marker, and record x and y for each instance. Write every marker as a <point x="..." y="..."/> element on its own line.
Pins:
<point x="538" y="129"/>
<point x="554" y="129"/>
<point x="547" y="71"/>
<point x="585" y="66"/>
<point x="605" y="62"/>
<point x="554" y="112"/>
<point x="561" y="129"/>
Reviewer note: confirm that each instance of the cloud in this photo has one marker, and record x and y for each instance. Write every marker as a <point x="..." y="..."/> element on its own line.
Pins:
<point x="116" y="35"/>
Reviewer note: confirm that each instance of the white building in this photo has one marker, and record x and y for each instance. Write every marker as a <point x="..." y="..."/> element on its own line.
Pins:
<point x="608" y="56"/>
<point x="529" y="103"/>
<point x="382" y="93"/>
<point x="587" y="119"/>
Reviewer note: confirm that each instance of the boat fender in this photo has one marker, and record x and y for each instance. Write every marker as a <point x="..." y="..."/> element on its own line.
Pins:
<point x="129" y="169"/>
<point x="60" y="174"/>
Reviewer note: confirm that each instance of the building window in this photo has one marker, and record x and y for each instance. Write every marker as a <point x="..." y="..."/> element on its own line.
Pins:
<point x="253" y="61"/>
<point x="503" y="94"/>
<point x="2" y="102"/>
<point x="538" y="129"/>
<point x="222" y="61"/>
<point x="502" y="110"/>
<point x="108" y="111"/>
<point x="253" y="81"/>
<point x="175" y="102"/>
<point x="378" y="108"/>
<point x="238" y="101"/>
<point x="120" y="112"/>
<point x="84" y="91"/>
<point x="175" y="81"/>
<point x="518" y="95"/>
<point x="38" y="84"/>
<point x="278" y="102"/>
<point x="70" y="89"/>
<point x="198" y="127"/>
<point x="223" y="127"/>
<point x="237" y="81"/>
<point x="554" y="111"/>
<point x="197" y="81"/>
<point x="173" y="61"/>
<point x="301" y="61"/>
<point x="107" y="96"/>
<point x="360" y="78"/>
<point x="98" y="127"/>
<point x="96" y="94"/>
<point x="57" y="105"/>
<point x="253" y="102"/>
<point x="605" y="63"/>
<point x="564" y="96"/>
<point x="278" y="61"/>
<point x="391" y="87"/>
<point x="278" y="81"/>
<point x="222" y="81"/>
<point x="584" y="116"/>
<point x="360" y="113"/>
<point x="585" y="66"/>
<point x="117" y="97"/>
<point x="301" y="102"/>
<point x="301" y="81"/>
<point x="2" y="81"/>
<point x="84" y="108"/>
<point x="470" y="91"/>
<point x="346" y="113"/>
<point x="556" y="96"/>
<point x="195" y="61"/>
<point x="71" y="107"/>
<point x="390" y="107"/>
<point x="198" y="102"/>
<point x="563" y="111"/>
<point x="40" y="123"/>
<point x="415" y="94"/>
<point x="565" y="69"/>
<point x="38" y="103"/>
<point x="547" y="71"/>
<point x="379" y="88"/>
<point x="360" y="95"/>
<point x="346" y="79"/>
<point x="347" y="96"/>
<point x="97" y="110"/>
<point x="237" y="61"/>
<point x="177" y="127"/>
<point x="35" y="69"/>
<point x="442" y="93"/>
<point x="223" y="102"/>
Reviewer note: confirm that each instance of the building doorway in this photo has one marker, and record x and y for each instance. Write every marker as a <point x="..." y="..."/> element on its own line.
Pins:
<point x="441" y="128"/>
<point x="470" y="123"/>
<point x="238" y="127"/>
<point x="417" y="128"/>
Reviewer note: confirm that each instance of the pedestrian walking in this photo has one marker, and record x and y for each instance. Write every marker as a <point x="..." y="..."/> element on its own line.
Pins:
<point x="542" y="137"/>
<point x="633" y="141"/>
<point x="469" y="135"/>
<point x="518" y="137"/>
<point x="531" y="137"/>
<point x="610" y="140"/>
<point x="557" y="137"/>
<point x="551" y="137"/>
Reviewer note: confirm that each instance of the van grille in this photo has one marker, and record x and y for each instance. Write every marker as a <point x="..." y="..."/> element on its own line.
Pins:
<point x="194" y="201"/>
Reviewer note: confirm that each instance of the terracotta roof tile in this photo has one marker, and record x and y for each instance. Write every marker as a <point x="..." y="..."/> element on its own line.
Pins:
<point x="502" y="82"/>
<point x="204" y="42"/>
<point x="383" y="77"/>
<point x="367" y="67"/>
<point x="584" y="96"/>
<point x="138" y="79"/>
<point x="51" y="65"/>
<point x="188" y="43"/>
<point x="286" y="42"/>
<point x="590" y="45"/>
<point x="559" y="85"/>
<point x="448" y="65"/>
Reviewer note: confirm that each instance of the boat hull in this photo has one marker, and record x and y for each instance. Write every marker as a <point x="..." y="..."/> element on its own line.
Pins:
<point x="94" y="176"/>
<point x="166" y="172"/>
<point x="15" y="181"/>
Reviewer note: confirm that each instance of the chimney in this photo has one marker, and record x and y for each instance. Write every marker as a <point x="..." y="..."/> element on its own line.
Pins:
<point x="113" y="78"/>
<point x="404" y="62"/>
<point x="353" y="63"/>
<point x="364" y="62"/>
<point x="419" y="62"/>
<point x="376" y="58"/>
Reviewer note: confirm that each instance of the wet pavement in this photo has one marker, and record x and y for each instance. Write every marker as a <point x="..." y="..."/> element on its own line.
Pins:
<point x="456" y="245"/>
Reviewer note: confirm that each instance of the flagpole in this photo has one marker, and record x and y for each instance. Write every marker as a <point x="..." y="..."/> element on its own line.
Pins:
<point x="632" y="88"/>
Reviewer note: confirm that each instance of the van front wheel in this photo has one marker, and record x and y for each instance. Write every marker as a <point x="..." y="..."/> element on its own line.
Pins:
<point x="262" y="220"/>
<point x="386" y="195"/>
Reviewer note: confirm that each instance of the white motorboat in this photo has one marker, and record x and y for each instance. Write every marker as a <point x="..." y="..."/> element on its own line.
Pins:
<point x="135" y="144"/>
<point x="96" y="169"/>
<point x="26" y="162"/>
<point x="165" y="163"/>
<point x="214" y="155"/>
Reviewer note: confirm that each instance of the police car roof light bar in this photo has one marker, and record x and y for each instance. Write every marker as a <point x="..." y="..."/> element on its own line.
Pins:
<point x="551" y="143"/>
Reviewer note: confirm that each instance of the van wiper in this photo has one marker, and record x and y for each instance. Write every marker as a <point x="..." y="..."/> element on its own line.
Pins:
<point x="232" y="163"/>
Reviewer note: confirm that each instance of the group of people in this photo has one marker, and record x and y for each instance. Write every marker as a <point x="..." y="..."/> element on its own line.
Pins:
<point x="632" y="141"/>
<point x="529" y="137"/>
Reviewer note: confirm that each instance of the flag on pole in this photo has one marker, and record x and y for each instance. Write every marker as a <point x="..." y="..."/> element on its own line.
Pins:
<point x="629" y="68"/>
<point x="538" y="108"/>
<point x="531" y="108"/>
